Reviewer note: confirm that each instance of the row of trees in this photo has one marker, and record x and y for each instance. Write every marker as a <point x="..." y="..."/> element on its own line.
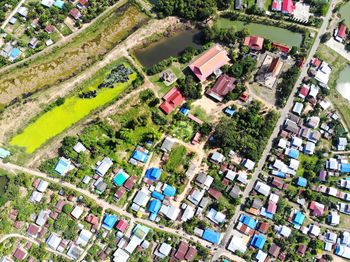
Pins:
<point x="198" y="10"/>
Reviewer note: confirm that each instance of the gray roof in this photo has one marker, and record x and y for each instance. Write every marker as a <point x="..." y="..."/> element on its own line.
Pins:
<point x="238" y="4"/>
<point x="235" y="192"/>
<point x="260" y="4"/>
<point x="257" y="203"/>
<point x="201" y="177"/>
<point x="167" y="144"/>
<point x="291" y="126"/>
<point x="217" y="157"/>
<point x="205" y="201"/>
<point x="102" y="186"/>
<point x="298" y="108"/>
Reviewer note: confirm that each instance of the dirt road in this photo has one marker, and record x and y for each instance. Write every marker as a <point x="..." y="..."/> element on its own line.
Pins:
<point x="12" y="14"/>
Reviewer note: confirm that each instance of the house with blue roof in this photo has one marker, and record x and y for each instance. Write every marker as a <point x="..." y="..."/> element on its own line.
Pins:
<point x="153" y="173"/>
<point x="14" y="54"/>
<point x="211" y="236"/>
<point x="184" y="111"/>
<point x="158" y="195"/>
<point x="299" y="219"/>
<point x="293" y="153"/>
<point x="302" y="181"/>
<point x="345" y="168"/>
<point x="248" y="221"/>
<point x="4" y="153"/>
<point x="59" y="4"/>
<point x="62" y="165"/>
<point x="154" y="209"/>
<point x="109" y="221"/>
<point x="169" y="191"/>
<point x="229" y="111"/>
<point x="120" y="178"/>
<point x="258" y="241"/>
<point x="140" y="154"/>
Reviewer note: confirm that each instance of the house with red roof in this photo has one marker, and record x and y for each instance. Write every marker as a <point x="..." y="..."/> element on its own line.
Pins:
<point x="172" y="100"/>
<point x="282" y="48"/>
<point x="181" y="250"/>
<point x="273" y="68"/>
<point x="288" y="7"/>
<point x="214" y="193"/>
<point x="271" y="207"/>
<point x="316" y="62"/>
<point x="191" y="254"/>
<point x="207" y="63"/>
<point x="340" y="35"/>
<point x="119" y="193"/>
<point x="304" y="91"/>
<point x="130" y="182"/>
<point x="122" y="225"/>
<point x="254" y="42"/>
<point x="75" y="13"/>
<point x="196" y="138"/>
<point x="244" y="97"/>
<point x="50" y="29"/>
<point x="317" y="208"/>
<point x="276" y="6"/>
<point x="20" y="254"/>
<point x="222" y="87"/>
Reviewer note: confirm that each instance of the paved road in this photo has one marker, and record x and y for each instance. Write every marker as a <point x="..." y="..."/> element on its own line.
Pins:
<point x="4" y="237"/>
<point x="12" y="14"/>
<point x="13" y="168"/>
<point x="283" y="115"/>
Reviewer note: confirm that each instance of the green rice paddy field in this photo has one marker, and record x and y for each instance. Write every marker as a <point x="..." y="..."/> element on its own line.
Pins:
<point x="74" y="109"/>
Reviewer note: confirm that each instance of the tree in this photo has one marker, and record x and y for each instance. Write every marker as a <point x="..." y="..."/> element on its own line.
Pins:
<point x="267" y="44"/>
<point x="61" y="223"/>
<point x="67" y="208"/>
<point x="293" y="51"/>
<point x="325" y="37"/>
<point x="205" y="129"/>
<point x="189" y="88"/>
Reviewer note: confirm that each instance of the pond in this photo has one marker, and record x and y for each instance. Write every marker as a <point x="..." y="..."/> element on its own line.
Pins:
<point x="343" y="83"/>
<point x="345" y="13"/>
<point x="167" y="47"/>
<point x="275" y="34"/>
<point x="3" y="182"/>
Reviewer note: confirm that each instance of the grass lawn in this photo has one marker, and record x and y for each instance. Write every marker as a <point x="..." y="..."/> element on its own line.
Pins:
<point x="183" y="131"/>
<point x="302" y="159"/>
<point x="344" y="220"/>
<point x="55" y="36"/>
<point x="64" y="29"/>
<point x="74" y="108"/>
<point x="200" y="113"/>
<point x="338" y="63"/>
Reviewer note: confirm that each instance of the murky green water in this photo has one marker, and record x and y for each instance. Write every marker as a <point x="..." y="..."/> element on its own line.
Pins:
<point x="345" y="13"/>
<point x="276" y="34"/>
<point x="343" y="83"/>
<point x="170" y="46"/>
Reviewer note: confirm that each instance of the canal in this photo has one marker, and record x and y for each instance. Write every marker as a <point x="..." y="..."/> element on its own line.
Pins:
<point x="275" y="34"/>
<point x="345" y="13"/>
<point x="169" y="46"/>
<point x="343" y="83"/>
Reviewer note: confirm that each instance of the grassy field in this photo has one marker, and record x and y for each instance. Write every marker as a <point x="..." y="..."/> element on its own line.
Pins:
<point x="302" y="159"/>
<point x="66" y="61"/>
<point x="64" y="29"/>
<point x="74" y="108"/>
<point x="338" y="63"/>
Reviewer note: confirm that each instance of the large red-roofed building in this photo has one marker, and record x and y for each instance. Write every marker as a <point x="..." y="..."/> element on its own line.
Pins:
<point x="172" y="100"/>
<point x="341" y="34"/>
<point x="222" y="87"/>
<point x="207" y="63"/>
<point x="288" y="7"/>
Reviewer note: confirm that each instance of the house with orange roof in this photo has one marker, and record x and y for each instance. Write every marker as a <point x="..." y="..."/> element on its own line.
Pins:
<point x="254" y="42"/>
<point x="207" y="63"/>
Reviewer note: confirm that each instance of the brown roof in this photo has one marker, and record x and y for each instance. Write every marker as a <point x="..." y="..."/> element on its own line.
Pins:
<point x="75" y="13"/>
<point x="53" y="215"/>
<point x="274" y="250"/>
<point x="282" y="257"/>
<point x="36" y="182"/>
<point x="222" y="87"/>
<point x="42" y="232"/>
<point x="59" y="206"/>
<point x="301" y="250"/>
<point x="20" y="254"/>
<point x="31" y="259"/>
<point x="181" y="251"/>
<point x="129" y="184"/>
<point x="214" y="193"/>
<point x="264" y="227"/>
<point x="277" y="182"/>
<point x="191" y="254"/>
<point x="50" y="28"/>
<point x="18" y="224"/>
<point x="92" y="219"/>
<point x="33" y="229"/>
<point x="120" y="192"/>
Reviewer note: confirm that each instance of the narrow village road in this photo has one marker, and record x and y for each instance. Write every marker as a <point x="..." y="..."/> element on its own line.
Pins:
<point x="280" y="121"/>
<point x="4" y="237"/>
<point x="12" y="14"/>
<point x="13" y="168"/>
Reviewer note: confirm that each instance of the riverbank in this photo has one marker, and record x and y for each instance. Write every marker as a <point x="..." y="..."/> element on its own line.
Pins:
<point x="338" y="64"/>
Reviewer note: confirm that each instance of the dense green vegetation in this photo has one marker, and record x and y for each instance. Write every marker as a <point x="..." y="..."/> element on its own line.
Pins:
<point x="247" y="132"/>
<point x="285" y="88"/>
<point x="190" y="9"/>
